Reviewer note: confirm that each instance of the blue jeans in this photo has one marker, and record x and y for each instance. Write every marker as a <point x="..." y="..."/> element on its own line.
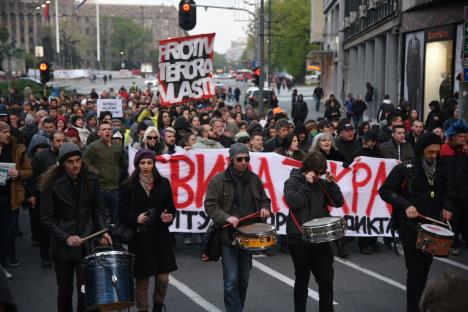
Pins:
<point x="110" y="200"/>
<point x="236" y="269"/>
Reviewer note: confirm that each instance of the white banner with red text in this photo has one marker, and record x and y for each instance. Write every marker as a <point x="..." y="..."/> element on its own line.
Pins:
<point x="366" y="214"/>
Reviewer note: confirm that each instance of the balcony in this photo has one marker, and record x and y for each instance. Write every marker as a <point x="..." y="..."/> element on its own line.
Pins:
<point x="361" y="17"/>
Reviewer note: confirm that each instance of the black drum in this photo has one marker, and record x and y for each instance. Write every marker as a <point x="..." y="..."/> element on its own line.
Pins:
<point x="109" y="280"/>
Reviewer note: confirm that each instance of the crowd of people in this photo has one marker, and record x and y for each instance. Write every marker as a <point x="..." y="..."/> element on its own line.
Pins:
<point x="62" y="150"/>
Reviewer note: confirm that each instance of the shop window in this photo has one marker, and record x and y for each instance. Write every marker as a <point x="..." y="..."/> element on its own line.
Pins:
<point x="438" y="73"/>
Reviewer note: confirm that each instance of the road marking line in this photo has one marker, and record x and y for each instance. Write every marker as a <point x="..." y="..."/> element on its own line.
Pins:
<point x="371" y="273"/>
<point x="195" y="297"/>
<point x="288" y="281"/>
<point x="445" y="260"/>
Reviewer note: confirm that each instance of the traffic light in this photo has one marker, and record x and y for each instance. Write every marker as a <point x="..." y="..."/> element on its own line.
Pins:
<point x="257" y="72"/>
<point x="187" y="14"/>
<point x="46" y="72"/>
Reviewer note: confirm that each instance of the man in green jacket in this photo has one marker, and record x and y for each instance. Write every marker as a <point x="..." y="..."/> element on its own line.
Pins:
<point x="231" y="195"/>
<point x="108" y="158"/>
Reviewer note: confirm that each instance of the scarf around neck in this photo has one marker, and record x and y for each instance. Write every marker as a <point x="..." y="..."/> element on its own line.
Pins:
<point x="146" y="182"/>
<point x="429" y="170"/>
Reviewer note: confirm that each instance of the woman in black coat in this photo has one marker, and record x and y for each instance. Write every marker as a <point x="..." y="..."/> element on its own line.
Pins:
<point x="146" y="205"/>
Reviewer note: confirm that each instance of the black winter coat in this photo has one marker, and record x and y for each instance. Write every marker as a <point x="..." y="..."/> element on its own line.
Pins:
<point x="153" y="249"/>
<point x="299" y="110"/>
<point x="307" y="201"/>
<point x="406" y="186"/>
<point x="66" y="212"/>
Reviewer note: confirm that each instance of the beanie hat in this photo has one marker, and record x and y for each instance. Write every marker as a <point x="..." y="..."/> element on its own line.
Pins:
<point x="457" y="127"/>
<point x="72" y="133"/>
<point x="425" y="140"/>
<point x="4" y="126"/>
<point x="68" y="150"/>
<point x="3" y="110"/>
<point x="143" y="154"/>
<point x="237" y="148"/>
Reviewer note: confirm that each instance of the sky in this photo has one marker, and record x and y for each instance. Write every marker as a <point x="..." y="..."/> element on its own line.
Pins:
<point x="222" y="22"/>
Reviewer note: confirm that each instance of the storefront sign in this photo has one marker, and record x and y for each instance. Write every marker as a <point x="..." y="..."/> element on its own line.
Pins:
<point x="439" y="34"/>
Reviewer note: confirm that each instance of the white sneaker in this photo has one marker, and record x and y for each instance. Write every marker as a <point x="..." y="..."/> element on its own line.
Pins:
<point x="7" y="274"/>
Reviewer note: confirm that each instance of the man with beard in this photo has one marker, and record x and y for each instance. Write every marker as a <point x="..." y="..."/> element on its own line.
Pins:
<point x="417" y="128"/>
<point x="415" y="189"/>
<point x="231" y="195"/>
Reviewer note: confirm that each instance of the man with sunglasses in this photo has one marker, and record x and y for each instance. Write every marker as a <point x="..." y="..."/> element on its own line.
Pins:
<point x="231" y="195"/>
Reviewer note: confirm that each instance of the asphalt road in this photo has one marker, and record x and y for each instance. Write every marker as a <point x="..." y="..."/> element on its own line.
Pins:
<point x="362" y="283"/>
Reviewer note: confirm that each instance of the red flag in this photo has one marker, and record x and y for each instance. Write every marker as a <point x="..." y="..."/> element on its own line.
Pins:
<point x="46" y="13"/>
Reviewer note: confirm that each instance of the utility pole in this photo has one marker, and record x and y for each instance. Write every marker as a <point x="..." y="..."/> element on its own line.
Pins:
<point x="269" y="51"/>
<point x="261" y="35"/>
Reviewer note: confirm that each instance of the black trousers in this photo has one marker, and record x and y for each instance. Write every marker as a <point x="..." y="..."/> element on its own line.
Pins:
<point x="418" y="265"/>
<point x="65" y="271"/>
<point x="317" y="258"/>
<point x="460" y="220"/>
<point x="40" y="233"/>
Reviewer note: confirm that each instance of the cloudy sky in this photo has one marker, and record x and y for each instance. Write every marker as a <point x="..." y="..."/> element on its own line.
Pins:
<point x="224" y="23"/>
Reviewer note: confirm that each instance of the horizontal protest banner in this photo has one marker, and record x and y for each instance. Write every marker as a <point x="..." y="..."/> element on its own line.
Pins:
<point x="185" y="68"/>
<point x="366" y="214"/>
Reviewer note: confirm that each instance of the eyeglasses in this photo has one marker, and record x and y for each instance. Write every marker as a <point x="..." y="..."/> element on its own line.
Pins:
<point x="240" y="159"/>
<point x="153" y="138"/>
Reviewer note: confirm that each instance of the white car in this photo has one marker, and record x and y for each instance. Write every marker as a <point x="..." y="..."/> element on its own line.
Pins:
<point x="151" y="81"/>
<point x="312" y="78"/>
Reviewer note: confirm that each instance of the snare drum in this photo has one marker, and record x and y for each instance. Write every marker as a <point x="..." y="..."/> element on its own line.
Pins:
<point x="323" y="230"/>
<point x="435" y="240"/>
<point x="256" y="236"/>
<point x="109" y="281"/>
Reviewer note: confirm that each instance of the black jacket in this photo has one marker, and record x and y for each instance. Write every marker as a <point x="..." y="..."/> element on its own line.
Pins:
<point x="66" y="211"/>
<point x="40" y="163"/>
<point x="307" y="201"/>
<point x="347" y="148"/>
<point x="384" y="135"/>
<point x="406" y="186"/>
<point x="272" y="144"/>
<point x="454" y="166"/>
<point x="152" y="248"/>
<point x="299" y="110"/>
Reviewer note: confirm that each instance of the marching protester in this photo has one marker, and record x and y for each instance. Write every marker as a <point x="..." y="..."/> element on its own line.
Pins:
<point x="308" y="196"/>
<point x="414" y="190"/>
<point x="146" y="206"/>
<point x="231" y="195"/>
<point x="70" y="210"/>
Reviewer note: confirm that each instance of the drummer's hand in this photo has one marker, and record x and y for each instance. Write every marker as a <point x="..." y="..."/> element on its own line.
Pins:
<point x="310" y="176"/>
<point x="447" y="215"/>
<point x="411" y="212"/>
<point x="106" y="240"/>
<point x="166" y="217"/>
<point x="74" y="241"/>
<point x="142" y="218"/>
<point x="233" y="220"/>
<point x="264" y="213"/>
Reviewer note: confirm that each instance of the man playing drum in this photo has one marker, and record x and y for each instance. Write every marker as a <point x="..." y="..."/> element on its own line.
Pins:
<point x="308" y="197"/>
<point x="414" y="190"/>
<point x="235" y="193"/>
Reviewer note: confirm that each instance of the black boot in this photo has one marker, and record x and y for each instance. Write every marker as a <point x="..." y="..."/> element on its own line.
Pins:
<point x="159" y="307"/>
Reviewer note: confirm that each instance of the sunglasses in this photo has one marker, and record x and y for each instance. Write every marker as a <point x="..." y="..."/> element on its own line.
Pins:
<point x="153" y="138"/>
<point x="240" y="159"/>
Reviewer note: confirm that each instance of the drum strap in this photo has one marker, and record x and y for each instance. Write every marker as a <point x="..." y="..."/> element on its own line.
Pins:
<point x="299" y="228"/>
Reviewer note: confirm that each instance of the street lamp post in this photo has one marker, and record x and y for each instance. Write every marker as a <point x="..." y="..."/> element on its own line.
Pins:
<point x="122" y="64"/>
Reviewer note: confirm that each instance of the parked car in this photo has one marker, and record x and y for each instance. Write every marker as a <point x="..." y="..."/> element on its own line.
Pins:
<point x="253" y="97"/>
<point x="312" y="78"/>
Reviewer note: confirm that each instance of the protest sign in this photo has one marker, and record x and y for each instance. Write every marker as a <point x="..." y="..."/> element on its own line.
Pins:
<point x="185" y="67"/>
<point x="112" y="105"/>
<point x="4" y="167"/>
<point x="366" y="214"/>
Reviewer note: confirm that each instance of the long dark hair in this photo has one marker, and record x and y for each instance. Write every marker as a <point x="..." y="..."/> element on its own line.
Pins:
<point x="135" y="174"/>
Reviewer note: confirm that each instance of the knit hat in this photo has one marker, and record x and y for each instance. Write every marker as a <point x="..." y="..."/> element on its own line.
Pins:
<point x="3" y="110"/>
<point x="4" y="126"/>
<point x="237" y="148"/>
<point x="143" y="154"/>
<point x="72" y="133"/>
<point x="457" y="127"/>
<point x="425" y="140"/>
<point x="68" y="150"/>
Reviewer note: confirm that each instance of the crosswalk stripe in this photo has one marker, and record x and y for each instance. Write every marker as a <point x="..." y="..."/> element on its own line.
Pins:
<point x="195" y="297"/>
<point x="283" y="278"/>
<point x="444" y="260"/>
<point x="371" y="273"/>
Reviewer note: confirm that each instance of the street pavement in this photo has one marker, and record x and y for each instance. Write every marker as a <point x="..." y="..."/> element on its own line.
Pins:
<point x="362" y="282"/>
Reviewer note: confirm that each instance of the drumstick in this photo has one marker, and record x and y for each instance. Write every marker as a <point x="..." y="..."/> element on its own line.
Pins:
<point x="448" y="223"/>
<point x="250" y="216"/>
<point x="433" y="220"/>
<point x="94" y="235"/>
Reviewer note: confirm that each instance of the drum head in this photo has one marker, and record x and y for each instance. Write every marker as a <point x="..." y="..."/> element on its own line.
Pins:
<point x="322" y="221"/>
<point x="110" y="254"/>
<point x="438" y="230"/>
<point x="256" y="228"/>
